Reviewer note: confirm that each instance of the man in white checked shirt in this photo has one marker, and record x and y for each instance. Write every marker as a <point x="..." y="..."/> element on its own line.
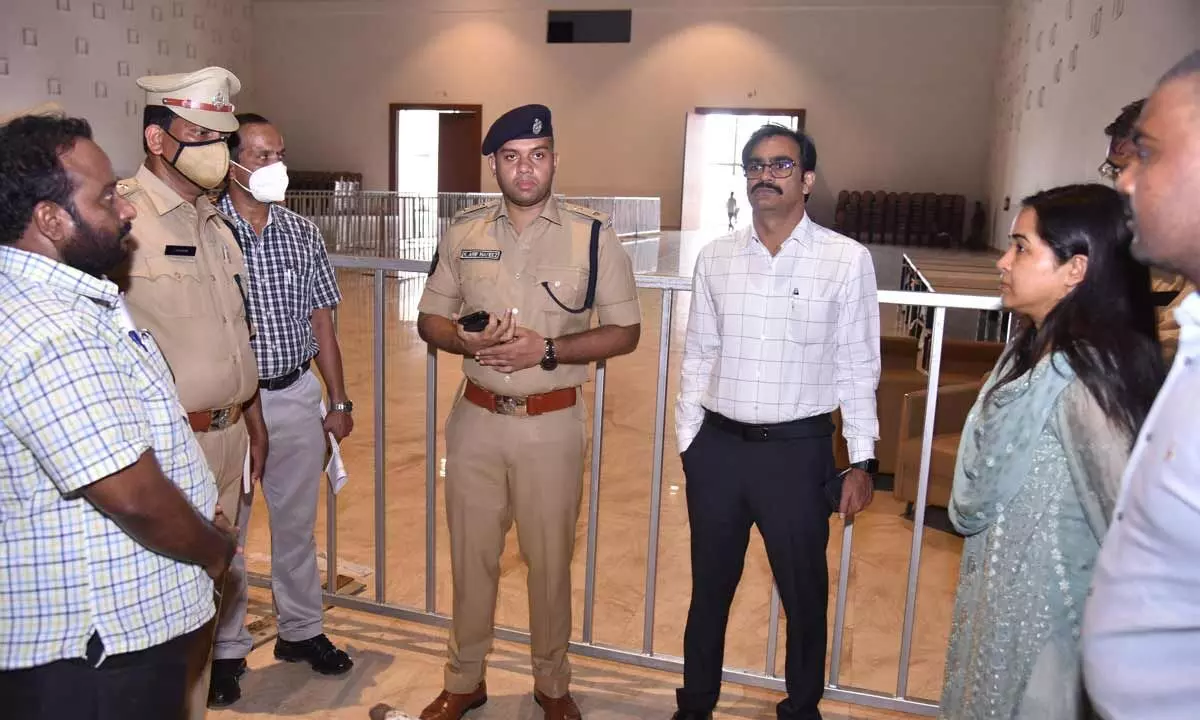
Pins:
<point x="783" y="330"/>
<point x="109" y="531"/>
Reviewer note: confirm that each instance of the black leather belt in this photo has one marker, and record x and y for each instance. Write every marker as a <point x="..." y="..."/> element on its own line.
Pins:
<point x="285" y="381"/>
<point x="810" y="427"/>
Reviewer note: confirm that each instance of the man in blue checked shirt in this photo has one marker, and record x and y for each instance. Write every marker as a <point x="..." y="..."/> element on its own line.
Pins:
<point x="109" y="531"/>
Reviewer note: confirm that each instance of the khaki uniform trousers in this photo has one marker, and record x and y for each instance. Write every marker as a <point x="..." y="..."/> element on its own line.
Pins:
<point x="225" y="451"/>
<point x="501" y="468"/>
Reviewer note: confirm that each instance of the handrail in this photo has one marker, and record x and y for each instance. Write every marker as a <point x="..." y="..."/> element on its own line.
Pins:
<point x="644" y="656"/>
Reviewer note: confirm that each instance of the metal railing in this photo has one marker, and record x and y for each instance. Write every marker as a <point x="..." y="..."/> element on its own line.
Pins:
<point x="644" y="655"/>
<point x="992" y="325"/>
<point x="403" y="225"/>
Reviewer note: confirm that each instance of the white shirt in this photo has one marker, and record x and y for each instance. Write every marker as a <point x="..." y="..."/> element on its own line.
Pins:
<point x="774" y="339"/>
<point x="1141" y="632"/>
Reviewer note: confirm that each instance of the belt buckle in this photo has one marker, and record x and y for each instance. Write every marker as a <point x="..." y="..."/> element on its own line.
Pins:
<point x="507" y="405"/>
<point x="220" y="418"/>
<point x="757" y="433"/>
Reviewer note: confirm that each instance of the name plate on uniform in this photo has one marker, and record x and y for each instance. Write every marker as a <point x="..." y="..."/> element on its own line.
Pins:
<point x="181" y="251"/>
<point x="468" y="254"/>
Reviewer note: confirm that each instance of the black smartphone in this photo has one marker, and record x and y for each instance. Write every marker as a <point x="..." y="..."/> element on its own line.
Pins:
<point x="475" y="322"/>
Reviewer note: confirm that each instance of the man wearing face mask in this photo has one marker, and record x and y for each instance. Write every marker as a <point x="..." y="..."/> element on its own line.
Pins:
<point x="186" y="279"/>
<point x="292" y="295"/>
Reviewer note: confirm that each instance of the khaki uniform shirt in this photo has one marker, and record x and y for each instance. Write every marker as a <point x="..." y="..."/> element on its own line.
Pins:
<point x="182" y="286"/>
<point x="483" y="264"/>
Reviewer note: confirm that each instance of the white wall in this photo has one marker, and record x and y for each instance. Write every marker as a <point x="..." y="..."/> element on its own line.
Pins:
<point x="1061" y="140"/>
<point x="899" y="93"/>
<point x="86" y="55"/>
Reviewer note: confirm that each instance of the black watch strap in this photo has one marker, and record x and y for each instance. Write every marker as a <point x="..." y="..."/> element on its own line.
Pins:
<point x="870" y="466"/>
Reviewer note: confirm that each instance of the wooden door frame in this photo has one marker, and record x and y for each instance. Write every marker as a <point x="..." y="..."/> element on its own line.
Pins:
<point x="393" y="139"/>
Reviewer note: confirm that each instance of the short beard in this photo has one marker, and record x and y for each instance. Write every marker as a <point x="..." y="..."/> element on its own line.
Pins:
<point x="94" y="251"/>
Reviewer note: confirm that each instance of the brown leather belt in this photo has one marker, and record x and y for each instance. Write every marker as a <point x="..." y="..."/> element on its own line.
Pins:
<point x="209" y="420"/>
<point x="530" y="405"/>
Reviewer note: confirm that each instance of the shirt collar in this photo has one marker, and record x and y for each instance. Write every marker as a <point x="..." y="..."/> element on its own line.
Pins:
<point x="226" y="207"/>
<point x="802" y="234"/>
<point x="164" y="198"/>
<point x="1188" y="317"/>
<point x="550" y="210"/>
<point x="60" y="276"/>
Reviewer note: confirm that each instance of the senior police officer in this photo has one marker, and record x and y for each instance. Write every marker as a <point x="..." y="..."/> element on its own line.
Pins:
<point x="515" y="440"/>
<point x="184" y="282"/>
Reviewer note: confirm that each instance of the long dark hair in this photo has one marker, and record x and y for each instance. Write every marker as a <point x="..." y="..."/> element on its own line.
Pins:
<point x="1107" y="326"/>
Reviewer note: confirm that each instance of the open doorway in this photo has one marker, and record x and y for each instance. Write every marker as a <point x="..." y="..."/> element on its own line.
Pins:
<point x="714" y="188"/>
<point x="435" y="148"/>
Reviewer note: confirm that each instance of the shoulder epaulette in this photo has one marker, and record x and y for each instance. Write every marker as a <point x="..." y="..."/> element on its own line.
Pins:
<point x="475" y="210"/>
<point x="587" y="212"/>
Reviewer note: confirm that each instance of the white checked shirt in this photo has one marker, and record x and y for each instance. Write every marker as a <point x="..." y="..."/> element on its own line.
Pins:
<point x="1141" y="628"/>
<point x="83" y="396"/>
<point x="290" y="276"/>
<point x="774" y="339"/>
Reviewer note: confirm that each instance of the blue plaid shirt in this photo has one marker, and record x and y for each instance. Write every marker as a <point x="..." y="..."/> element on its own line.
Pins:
<point x="290" y="276"/>
<point x="83" y="396"/>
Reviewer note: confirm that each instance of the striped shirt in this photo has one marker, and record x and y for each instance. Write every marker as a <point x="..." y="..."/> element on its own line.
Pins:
<point x="82" y="396"/>
<point x="290" y="276"/>
<point x="774" y="339"/>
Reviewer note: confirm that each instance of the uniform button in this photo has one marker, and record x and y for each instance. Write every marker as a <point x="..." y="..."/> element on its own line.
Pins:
<point x="557" y="283"/>
<point x="518" y="276"/>
<point x="225" y="320"/>
<point x="508" y="378"/>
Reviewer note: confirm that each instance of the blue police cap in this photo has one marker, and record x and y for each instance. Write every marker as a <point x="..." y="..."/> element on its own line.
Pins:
<point x="527" y="121"/>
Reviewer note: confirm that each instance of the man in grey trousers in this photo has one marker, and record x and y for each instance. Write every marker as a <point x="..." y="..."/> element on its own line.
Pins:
<point x="291" y="294"/>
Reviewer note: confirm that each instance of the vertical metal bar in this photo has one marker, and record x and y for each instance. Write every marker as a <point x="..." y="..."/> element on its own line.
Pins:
<point x="660" y="421"/>
<point x="773" y="631"/>
<point x="839" y="611"/>
<point x="914" y="558"/>
<point x="432" y="463"/>
<point x="380" y="441"/>
<point x="331" y="584"/>
<point x="593" y="523"/>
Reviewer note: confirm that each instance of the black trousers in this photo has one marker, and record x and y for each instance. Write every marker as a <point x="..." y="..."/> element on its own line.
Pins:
<point x="783" y="487"/>
<point x="148" y="684"/>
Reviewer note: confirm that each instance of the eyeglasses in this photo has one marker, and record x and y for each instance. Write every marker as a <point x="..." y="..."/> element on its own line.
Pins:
<point x="1110" y="171"/>
<point x="781" y="168"/>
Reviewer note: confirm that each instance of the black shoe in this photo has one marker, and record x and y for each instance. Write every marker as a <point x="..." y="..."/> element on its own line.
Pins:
<point x="224" y="688"/>
<point x="691" y="715"/>
<point x="317" y="651"/>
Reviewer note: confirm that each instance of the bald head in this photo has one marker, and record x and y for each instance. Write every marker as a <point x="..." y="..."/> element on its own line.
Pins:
<point x="1186" y="69"/>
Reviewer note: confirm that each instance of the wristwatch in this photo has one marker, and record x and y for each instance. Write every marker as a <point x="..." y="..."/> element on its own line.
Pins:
<point x="870" y="466"/>
<point x="346" y="407"/>
<point x="550" y="358"/>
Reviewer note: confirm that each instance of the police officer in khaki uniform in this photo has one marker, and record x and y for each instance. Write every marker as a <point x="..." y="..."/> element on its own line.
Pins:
<point x="515" y="440"/>
<point x="185" y="282"/>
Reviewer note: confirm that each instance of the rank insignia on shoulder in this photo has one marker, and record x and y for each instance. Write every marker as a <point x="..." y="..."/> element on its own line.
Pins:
<point x="475" y="254"/>
<point x="467" y="212"/>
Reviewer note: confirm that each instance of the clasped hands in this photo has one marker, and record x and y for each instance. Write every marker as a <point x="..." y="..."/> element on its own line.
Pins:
<point x="503" y="346"/>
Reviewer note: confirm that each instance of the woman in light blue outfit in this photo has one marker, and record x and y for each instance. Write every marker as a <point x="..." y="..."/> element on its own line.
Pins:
<point x="1042" y="454"/>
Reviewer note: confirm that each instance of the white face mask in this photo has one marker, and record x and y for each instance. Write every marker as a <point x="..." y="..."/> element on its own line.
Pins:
<point x="268" y="184"/>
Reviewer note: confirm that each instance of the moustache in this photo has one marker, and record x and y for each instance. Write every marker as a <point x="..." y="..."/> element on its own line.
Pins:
<point x="768" y="186"/>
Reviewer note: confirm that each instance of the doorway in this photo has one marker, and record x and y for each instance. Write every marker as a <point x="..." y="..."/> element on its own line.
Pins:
<point x="714" y="187"/>
<point x="435" y="148"/>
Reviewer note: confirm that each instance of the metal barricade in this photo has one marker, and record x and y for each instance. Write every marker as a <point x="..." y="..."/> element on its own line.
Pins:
<point x="405" y="225"/>
<point x="644" y="655"/>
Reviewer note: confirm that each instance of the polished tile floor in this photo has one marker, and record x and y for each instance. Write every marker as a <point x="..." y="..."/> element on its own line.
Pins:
<point x="400" y="663"/>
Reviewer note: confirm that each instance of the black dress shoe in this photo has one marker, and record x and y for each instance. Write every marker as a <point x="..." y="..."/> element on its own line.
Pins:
<point x="224" y="688"/>
<point x="691" y="715"/>
<point x="317" y="651"/>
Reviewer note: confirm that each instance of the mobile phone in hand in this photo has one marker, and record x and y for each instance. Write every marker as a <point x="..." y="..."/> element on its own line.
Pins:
<point x="475" y="322"/>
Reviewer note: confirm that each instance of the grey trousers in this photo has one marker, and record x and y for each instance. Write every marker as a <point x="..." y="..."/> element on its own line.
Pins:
<point x="291" y="485"/>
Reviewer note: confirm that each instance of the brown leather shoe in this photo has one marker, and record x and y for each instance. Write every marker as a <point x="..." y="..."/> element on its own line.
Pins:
<point x="563" y="708"/>
<point x="452" y="706"/>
